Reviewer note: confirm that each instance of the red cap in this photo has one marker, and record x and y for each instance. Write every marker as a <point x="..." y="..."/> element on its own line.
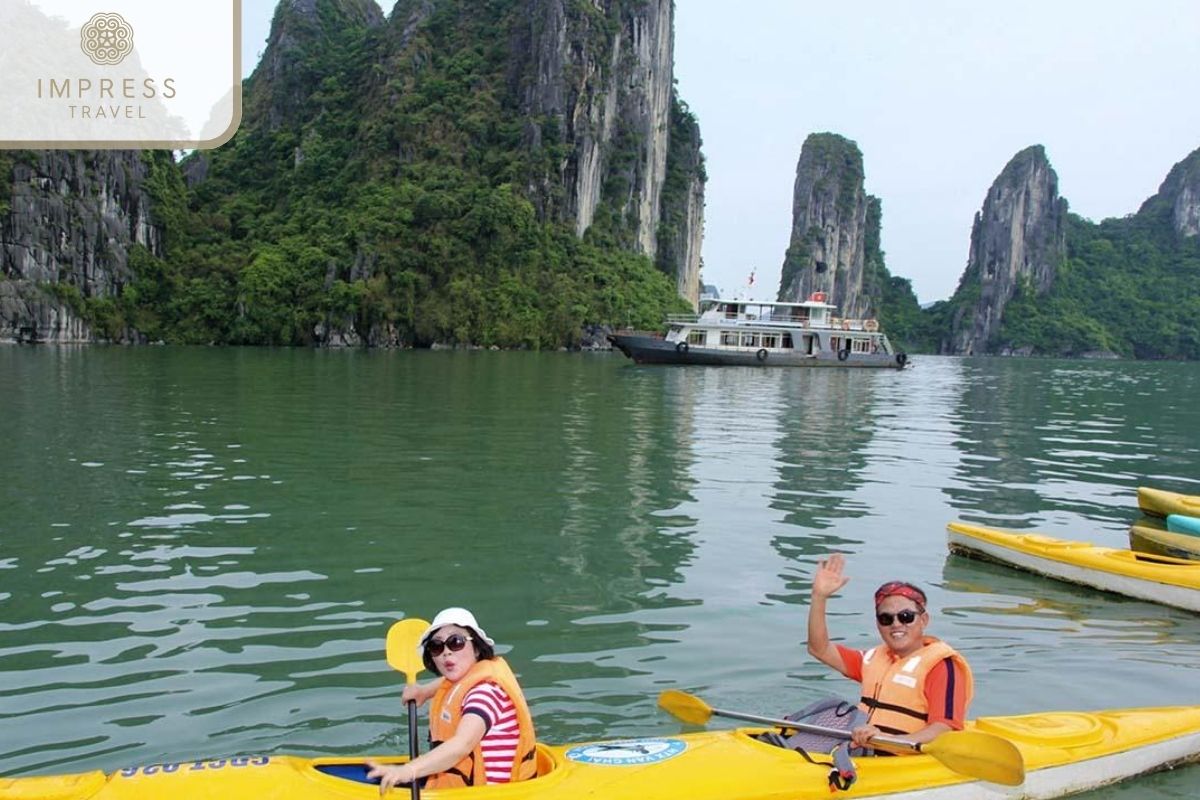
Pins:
<point x="901" y="588"/>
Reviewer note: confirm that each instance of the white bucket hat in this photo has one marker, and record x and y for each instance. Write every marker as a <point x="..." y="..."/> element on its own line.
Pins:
<point x="453" y="616"/>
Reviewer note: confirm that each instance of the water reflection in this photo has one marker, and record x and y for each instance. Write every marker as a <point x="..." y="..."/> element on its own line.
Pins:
<point x="202" y="549"/>
<point x="1051" y="440"/>
<point x="1023" y="621"/>
<point x="826" y="420"/>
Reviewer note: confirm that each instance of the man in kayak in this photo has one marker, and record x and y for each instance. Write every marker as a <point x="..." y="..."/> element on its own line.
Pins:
<point x="913" y="685"/>
<point x="479" y="722"/>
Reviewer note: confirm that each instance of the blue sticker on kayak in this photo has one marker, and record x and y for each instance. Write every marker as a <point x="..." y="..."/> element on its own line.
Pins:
<point x="627" y="752"/>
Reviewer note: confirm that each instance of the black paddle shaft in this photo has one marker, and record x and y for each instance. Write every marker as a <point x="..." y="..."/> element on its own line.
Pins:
<point x="412" y="744"/>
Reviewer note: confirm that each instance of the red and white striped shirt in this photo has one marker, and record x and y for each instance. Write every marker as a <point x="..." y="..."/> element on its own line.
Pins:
<point x="499" y="745"/>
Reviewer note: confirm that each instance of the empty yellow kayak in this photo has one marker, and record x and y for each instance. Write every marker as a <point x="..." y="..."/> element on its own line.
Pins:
<point x="1159" y="541"/>
<point x="1161" y="579"/>
<point x="1159" y="503"/>
<point x="1064" y="753"/>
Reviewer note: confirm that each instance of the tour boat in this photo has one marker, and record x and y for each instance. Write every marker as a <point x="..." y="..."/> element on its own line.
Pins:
<point x="759" y="333"/>
<point x="1160" y="579"/>
<point x="1062" y="753"/>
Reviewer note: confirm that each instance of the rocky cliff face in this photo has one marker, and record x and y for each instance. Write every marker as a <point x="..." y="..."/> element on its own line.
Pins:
<point x="1019" y="235"/>
<point x="72" y="218"/>
<point x="606" y="90"/>
<point x="1178" y="197"/>
<point x="828" y="247"/>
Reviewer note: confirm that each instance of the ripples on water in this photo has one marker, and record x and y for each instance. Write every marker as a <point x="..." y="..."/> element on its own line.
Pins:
<point x="201" y="550"/>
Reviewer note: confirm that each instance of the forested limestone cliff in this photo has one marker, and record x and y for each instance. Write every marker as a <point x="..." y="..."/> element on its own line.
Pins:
<point x="1041" y="281"/>
<point x="506" y="174"/>
<point x="1018" y="237"/>
<point x="827" y="249"/>
<point x="835" y="241"/>
<point x="1177" y="202"/>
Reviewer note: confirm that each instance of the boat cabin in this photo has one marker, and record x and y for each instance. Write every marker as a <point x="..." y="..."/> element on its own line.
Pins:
<point x="806" y="328"/>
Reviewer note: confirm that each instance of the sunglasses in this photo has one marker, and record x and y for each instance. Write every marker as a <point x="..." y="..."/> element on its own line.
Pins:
<point x="906" y="617"/>
<point x="453" y="643"/>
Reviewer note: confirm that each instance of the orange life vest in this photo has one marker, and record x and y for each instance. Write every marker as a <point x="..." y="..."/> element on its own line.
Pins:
<point x="893" y="689"/>
<point x="445" y="712"/>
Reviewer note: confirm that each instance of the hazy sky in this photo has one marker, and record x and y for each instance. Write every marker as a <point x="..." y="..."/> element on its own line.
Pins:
<point x="938" y="94"/>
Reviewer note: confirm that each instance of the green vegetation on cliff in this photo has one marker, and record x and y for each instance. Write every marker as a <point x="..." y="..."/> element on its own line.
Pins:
<point x="1127" y="287"/>
<point x="385" y="188"/>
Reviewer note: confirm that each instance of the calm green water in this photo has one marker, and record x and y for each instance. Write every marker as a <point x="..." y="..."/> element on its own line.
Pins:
<point x="201" y="550"/>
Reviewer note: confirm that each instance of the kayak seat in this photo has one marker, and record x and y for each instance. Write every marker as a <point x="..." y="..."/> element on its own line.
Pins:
<point x="545" y="762"/>
<point x="823" y="749"/>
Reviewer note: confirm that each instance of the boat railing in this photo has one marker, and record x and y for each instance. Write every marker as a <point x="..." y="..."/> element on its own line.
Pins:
<point x="867" y="325"/>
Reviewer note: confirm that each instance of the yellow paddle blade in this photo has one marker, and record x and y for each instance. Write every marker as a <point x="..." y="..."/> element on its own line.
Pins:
<point x="402" y="652"/>
<point x="980" y="755"/>
<point x="684" y="706"/>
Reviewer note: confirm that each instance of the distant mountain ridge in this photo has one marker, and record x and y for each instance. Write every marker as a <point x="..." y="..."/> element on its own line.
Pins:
<point x="1038" y="280"/>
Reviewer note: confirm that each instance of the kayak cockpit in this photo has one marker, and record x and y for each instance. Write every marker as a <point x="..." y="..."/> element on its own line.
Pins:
<point x="355" y="770"/>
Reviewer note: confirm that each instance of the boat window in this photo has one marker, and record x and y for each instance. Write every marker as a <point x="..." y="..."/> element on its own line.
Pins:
<point x="770" y="340"/>
<point x="696" y="337"/>
<point x="729" y="338"/>
<point x="787" y="341"/>
<point x="749" y="339"/>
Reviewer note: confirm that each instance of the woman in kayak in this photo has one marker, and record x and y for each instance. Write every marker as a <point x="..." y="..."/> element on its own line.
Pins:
<point x="913" y="685"/>
<point x="479" y="723"/>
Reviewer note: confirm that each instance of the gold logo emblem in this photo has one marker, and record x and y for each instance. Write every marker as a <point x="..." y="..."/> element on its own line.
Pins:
<point x="106" y="39"/>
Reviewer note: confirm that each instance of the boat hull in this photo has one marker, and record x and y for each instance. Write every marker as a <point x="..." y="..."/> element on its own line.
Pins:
<point x="1159" y="503"/>
<point x="1148" y="539"/>
<point x="644" y="349"/>
<point x="1160" y="579"/>
<point x="1064" y="753"/>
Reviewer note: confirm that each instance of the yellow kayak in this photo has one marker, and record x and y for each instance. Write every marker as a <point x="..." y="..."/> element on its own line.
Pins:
<point x="1159" y="503"/>
<point x="1064" y="753"/>
<point x="1160" y="541"/>
<point x="1161" y="579"/>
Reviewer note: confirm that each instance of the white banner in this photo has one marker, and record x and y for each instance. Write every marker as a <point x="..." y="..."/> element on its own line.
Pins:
<point x="119" y="73"/>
